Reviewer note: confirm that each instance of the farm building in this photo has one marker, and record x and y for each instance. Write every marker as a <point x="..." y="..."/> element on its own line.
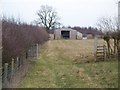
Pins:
<point x="67" y="33"/>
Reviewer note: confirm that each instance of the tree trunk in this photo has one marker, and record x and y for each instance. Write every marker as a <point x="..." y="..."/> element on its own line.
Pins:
<point x="114" y="47"/>
<point x="119" y="51"/>
<point x="108" y="46"/>
<point x="47" y="29"/>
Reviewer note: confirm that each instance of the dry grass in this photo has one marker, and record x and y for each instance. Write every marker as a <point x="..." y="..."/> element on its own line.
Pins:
<point x="59" y="67"/>
<point x="75" y="50"/>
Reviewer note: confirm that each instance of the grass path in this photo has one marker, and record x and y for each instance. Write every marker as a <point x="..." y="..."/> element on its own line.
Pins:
<point x="58" y="67"/>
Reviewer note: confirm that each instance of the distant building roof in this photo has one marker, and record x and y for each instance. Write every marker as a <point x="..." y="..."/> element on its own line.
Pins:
<point x="65" y="29"/>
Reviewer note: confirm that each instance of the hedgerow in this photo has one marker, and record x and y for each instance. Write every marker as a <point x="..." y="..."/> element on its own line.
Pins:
<point x="18" y="37"/>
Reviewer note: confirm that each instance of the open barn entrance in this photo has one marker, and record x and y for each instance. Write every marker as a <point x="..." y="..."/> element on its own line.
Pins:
<point x="65" y="34"/>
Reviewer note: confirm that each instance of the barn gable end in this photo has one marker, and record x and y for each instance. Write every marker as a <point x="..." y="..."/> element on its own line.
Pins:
<point x="67" y="33"/>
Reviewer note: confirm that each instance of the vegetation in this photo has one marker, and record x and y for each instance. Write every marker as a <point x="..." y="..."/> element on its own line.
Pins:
<point x="47" y="16"/>
<point x="62" y="64"/>
<point x="111" y="30"/>
<point x="18" y="37"/>
<point x="89" y="30"/>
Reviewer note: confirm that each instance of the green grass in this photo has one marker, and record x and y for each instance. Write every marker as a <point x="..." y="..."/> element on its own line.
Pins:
<point x="55" y="68"/>
<point x="104" y="73"/>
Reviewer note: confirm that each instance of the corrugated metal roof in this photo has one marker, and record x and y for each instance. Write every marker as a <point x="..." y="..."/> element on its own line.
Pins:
<point x="65" y="29"/>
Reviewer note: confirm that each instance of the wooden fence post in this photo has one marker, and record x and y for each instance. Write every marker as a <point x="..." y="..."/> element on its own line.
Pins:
<point x="95" y="47"/>
<point x="17" y="63"/>
<point x="119" y="42"/>
<point x="5" y="74"/>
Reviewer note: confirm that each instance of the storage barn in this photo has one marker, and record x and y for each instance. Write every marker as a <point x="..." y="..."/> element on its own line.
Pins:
<point x="67" y="33"/>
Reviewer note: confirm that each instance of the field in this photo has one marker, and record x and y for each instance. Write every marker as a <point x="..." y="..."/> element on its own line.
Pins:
<point x="69" y="64"/>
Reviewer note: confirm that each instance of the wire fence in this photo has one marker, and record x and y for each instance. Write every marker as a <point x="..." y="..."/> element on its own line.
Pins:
<point x="10" y="69"/>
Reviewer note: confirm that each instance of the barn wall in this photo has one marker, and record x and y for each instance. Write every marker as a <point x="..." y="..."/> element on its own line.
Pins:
<point x="79" y="35"/>
<point x="57" y="34"/>
<point x="73" y="34"/>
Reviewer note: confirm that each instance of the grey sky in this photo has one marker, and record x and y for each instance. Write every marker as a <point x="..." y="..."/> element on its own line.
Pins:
<point x="71" y="12"/>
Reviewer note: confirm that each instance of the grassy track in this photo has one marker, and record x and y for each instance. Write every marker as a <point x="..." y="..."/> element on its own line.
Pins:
<point x="59" y="66"/>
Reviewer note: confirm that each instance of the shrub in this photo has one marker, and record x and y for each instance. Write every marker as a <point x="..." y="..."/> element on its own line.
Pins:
<point x="18" y="37"/>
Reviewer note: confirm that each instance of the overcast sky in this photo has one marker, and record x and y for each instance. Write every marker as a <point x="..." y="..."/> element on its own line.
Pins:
<point x="72" y="12"/>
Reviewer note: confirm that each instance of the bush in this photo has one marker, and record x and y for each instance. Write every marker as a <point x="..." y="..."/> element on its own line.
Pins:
<point x="18" y="37"/>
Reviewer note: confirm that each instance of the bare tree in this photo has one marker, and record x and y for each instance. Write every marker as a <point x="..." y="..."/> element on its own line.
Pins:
<point x="47" y="17"/>
<point x="104" y="24"/>
<point x="109" y="26"/>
